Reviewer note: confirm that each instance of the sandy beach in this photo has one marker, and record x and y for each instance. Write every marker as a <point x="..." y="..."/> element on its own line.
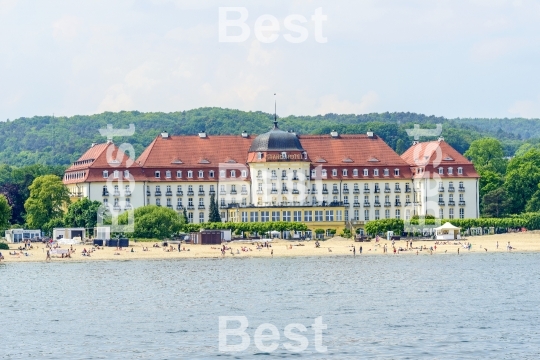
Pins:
<point x="520" y="242"/>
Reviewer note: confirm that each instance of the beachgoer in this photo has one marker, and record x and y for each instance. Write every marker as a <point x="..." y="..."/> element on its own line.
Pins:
<point x="48" y="256"/>
<point x="458" y="251"/>
<point x="272" y="252"/>
<point x="354" y="250"/>
<point x="360" y="250"/>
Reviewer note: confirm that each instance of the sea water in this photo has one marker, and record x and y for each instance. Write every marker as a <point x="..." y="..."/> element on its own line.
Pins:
<point x="441" y="306"/>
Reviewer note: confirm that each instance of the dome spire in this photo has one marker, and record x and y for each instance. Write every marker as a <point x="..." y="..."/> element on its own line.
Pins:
<point x="275" y="112"/>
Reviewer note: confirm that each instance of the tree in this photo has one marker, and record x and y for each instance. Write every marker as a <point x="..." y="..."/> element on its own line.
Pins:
<point x="487" y="153"/>
<point x="533" y="205"/>
<point x="153" y="221"/>
<point x="214" y="212"/>
<point x="82" y="213"/>
<point x="495" y="203"/>
<point x="400" y="146"/>
<point x="48" y="198"/>
<point x="5" y="213"/>
<point x="522" y="178"/>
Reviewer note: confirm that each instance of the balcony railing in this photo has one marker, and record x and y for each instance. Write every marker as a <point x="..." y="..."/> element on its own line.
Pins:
<point x="127" y="193"/>
<point x="377" y="204"/>
<point x="366" y="191"/>
<point x="377" y="190"/>
<point x="387" y="203"/>
<point x="222" y="192"/>
<point x="284" y="191"/>
<point x="356" y="204"/>
<point x="295" y="191"/>
<point x="397" y="190"/>
<point x="169" y="206"/>
<point x="179" y="193"/>
<point x="451" y="203"/>
<point x="168" y="193"/>
<point x="212" y="192"/>
<point x="461" y="188"/>
<point x="200" y="207"/>
<point x="397" y="203"/>
<point x="179" y="207"/>
<point x="387" y="190"/>
<point x="461" y="202"/>
<point x="295" y="178"/>
<point x="233" y="192"/>
<point x="284" y="177"/>
<point x="274" y="191"/>
<point x="325" y="191"/>
<point x="117" y="193"/>
<point x="451" y="189"/>
<point x="356" y="191"/>
<point x="158" y="193"/>
<point x="259" y="192"/>
<point x="441" y="189"/>
<point x="441" y="202"/>
<point x="345" y="191"/>
<point x="407" y="189"/>
<point x="201" y="193"/>
<point x="191" y="207"/>
<point x="190" y="193"/>
<point x="148" y="193"/>
<point x="313" y="191"/>
<point x="105" y="193"/>
<point x="407" y="203"/>
<point x="366" y="204"/>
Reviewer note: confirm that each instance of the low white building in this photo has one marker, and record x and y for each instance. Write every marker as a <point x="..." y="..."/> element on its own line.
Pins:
<point x="19" y="235"/>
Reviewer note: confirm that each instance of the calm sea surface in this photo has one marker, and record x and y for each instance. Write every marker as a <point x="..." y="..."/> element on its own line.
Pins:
<point x="447" y="306"/>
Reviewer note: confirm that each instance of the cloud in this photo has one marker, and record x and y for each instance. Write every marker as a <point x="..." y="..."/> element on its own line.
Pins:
<point x="331" y="104"/>
<point x="492" y="49"/>
<point x="7" y="5"/>
<point x="66" y="28"/>
<point x="193" y="35"/>
<point x="116" y="99"/>
<point x="526" y="108"/>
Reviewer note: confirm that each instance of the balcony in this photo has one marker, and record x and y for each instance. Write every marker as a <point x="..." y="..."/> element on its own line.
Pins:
<point x="407" y="203"/>
<point x="462" y="203"/>
<point x="451" y="189"/>
<point x="346" y="203"/>
<point x="356" y="204"/>
<point x="407" y="189"/>
<point x="179" y="193"/>
<point x="190" y="193"/>
<point x="313" y="191"/>
<point x="222" y="206"/>
<point x="222" y="192"/>
<point x="128" y="207"/>
<point x="284" y="178"/>
<point x="441" y="202"/>
<point x="117" y="207"/>
<point x="387" y="203"/>
<point x="345" y="190"/>
<point x="377" y="204"/>
<point x="397" y="203"/>
<point x="441" y="189"/>
<point x="169" y="206"/>
<point x="259" y="192"/>
<point x="273" y="191"/>
<point x="127" y="193"/>
<point x="366" y="191"/>
<point x="116" y="193"/>
<point x="356" y="191"/>
<point x="387" y="190"/>
<point x="296" y="192"/>
<point x="201" y="193"/>
<point x="451" y="203"/>
<point x="179" y="207"/>
<point x="295" y="178"/>
<point x="259" y="177"/>
<point x="325" y="191"/>
<point x="366" y="204"/>
<point x="105" y="193"/>
<point x="274" y="177"/>
<point x="244" y="192"/>
<point x="212" y="192"/>
<point x="284" y="191"/>
<point x="148" y="193"/>
<point x="233" y="192"/>
<point x="462" y="188"/>
<point x="397" y="190"/>
<point x="377" y="190"/>
<point x="200" y="207"/>
<point x="168" y="193"/>
<point x="191" y="207"/>
<point x="158" y="193"/>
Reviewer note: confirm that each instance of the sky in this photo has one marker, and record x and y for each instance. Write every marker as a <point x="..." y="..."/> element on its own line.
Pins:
<point x="451" y="58"/>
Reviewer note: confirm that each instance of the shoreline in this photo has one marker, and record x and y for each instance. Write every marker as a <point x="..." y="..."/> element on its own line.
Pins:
<point x="521" y="242"/>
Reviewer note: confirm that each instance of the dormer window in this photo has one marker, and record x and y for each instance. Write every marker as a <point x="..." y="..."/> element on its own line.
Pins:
<point x="284" y="155"/>
<point x="179" y="173"/>
<point x="115" y="174"/>
<point x="450" y="171"/>
<point x="376" y="172"/>
<point x="396" y="172"/>
<point x="233" y="173"/>
<point x="366" y="172"/>
<point x="334" y="172"/>
<point x="126" y="174"/>
<point x="211" y="173"/>
<point x="460" y="171"/>
<point x="244" y="173"/>
<point x="386" y="172"/>
<point x="157" y="174"/>
<point x="221" y="173"/>
<point x="345" y="172"/>
<point x="259" y="155"/>
<point x="441" y="171"/>
<point x="105" y="174"/>
<point x="201" y="174"/>
<point x="313" y="173"/>
<point x="324" y="174"/>
<point x="168" y="174"/>
<point x="190" y="174"/>
<point x="305" y="155"/>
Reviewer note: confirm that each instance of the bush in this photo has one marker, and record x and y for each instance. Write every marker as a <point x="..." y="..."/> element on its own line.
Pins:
<point x="4" y="246"/>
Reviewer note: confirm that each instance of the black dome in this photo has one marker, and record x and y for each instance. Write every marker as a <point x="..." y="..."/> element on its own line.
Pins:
<point x="276" y="140"/>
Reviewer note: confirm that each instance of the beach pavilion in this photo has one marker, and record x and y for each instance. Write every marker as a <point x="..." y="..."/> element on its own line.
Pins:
<point x="447" y="232"/>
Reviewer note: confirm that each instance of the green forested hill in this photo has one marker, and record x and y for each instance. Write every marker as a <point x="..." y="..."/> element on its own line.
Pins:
<point x="61" y="140"/>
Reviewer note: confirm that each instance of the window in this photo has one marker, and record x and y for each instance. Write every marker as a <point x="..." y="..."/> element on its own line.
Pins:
<point x="259" y="174"/>
<point x="283" y="155"/>
<point x="297" y="216"/>
<point x="450" y="171"/>
<point x="169" y="188"/>
<point x="179" y="202"/>
<point x="254" y="216"/>
<point x="201" y="201"/>
<point x="334" y="172"/>
<point x="308" y="215"/>
<point x="233" y="173"/>
<point x="274" y="174"/>
<point x="259" y="155"/>
<point x="190" y="174"/>
<point x="398" y="214"/>
<point x="201" y="217"/>
<point x="329" y="215"/>
<point x="441" y="199"/>
<point x="386" y="172"/>
<point x="106" y="202"/>
<point x="190" y="217"/>
<point x="356" y="215"/>
<point x="377" y="215"/>
<point x="387" y="214"/>
<point x="211" y="173"/>
<point x="376" y="172"/>
<point x="244" y="173"/>
<point x="275" y="215"/>
<point x="221" y="173"/>
<point x="324" y="173"/>
<point x="313" y="173"/>
<point x="157" y="174"/>
<point x="190" y="201"/>
<point x="441" y="171"/>
<point x="244" y="216"/>
<point x="346" y="215"/>
<point x="158" y="202"/>
<point x="344" y="172"/>
<point x="286" y="216"/>
<point x="178" y="173"/>
<point x="168" y="174"/>
<point x="441" y="213"/>
<point x="318" y="215"/>
<point x="451" y="213"/>
<point x="462" y="213"/>
<point x="355" y="172"/>
<point x="366" y="215"/>
<point x="396" y="172"/>
<point x="169" y="202"/>
<point x="366" y="172"/>
<point x="126" y="173"/>
<point x="460" y="171"/>
<point x="407" y="214"/>
<point x="105" y="174"/>
<point x="201" y="173"/>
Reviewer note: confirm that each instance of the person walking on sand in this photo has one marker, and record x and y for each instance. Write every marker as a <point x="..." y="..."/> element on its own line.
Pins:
<point x="48" y="258"/>
<point x="458" y="251"/>
<point x="497" y="245"/>
<point x="360" y="250"/>
<point x="354" y="250"/>
<point x="272" y="252"/>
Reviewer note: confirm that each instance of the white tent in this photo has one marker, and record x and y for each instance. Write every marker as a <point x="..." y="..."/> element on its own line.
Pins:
<point x="447" y="232"/>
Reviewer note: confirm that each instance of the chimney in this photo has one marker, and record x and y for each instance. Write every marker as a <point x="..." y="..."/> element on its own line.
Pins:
<point x="415" y="142"/>
<point x="440" y="139"/>
<point x="244" y="134"/>
<point x="370" y="134"/>
<point x="93" y="144"/>
<point x="334" y="134"/>
<point x="202" y="134"/>
<point x="164" y="135"/>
